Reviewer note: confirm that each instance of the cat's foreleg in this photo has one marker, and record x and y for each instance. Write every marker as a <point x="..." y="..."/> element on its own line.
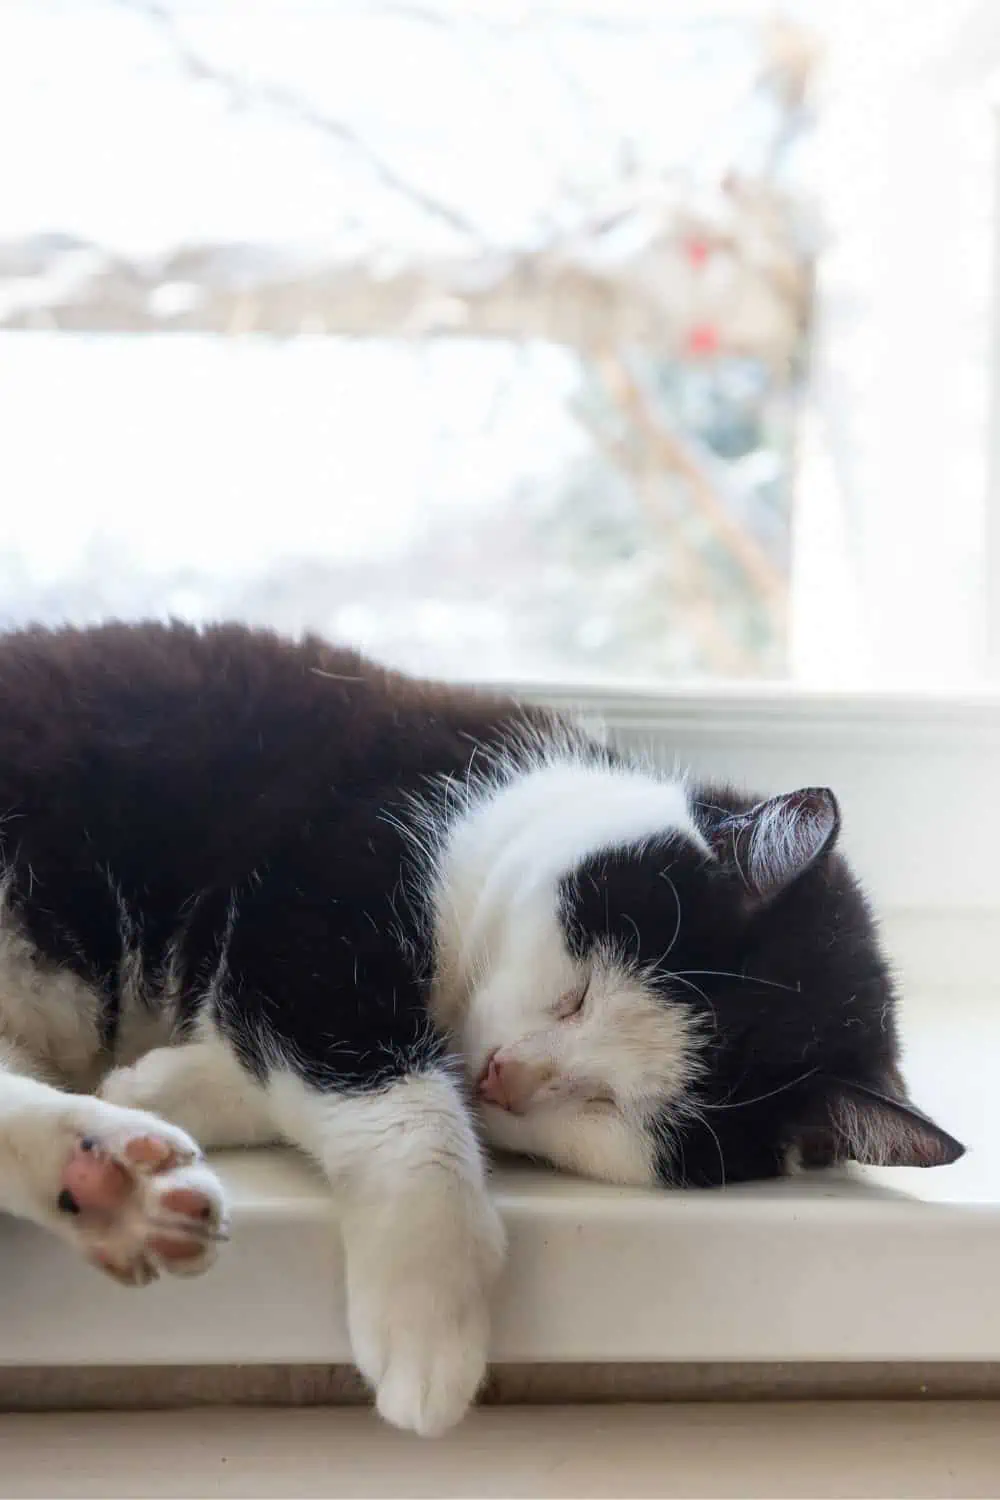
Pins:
<point x="423" y="1241"/>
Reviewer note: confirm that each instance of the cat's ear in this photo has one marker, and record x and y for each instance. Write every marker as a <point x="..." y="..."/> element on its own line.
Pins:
<point x="776" y="841"/>
<point x="877" y="1130"/>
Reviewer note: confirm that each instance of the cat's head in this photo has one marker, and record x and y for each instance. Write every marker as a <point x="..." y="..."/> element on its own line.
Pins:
<point x="699" y="1004"/>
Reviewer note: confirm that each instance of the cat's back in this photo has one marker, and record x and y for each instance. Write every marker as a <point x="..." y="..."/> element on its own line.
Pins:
<point x="173" y="691"/>
<point x="223" y="737"/>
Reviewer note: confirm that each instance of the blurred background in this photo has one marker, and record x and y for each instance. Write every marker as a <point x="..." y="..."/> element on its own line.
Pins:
<point x="566" y="342"/>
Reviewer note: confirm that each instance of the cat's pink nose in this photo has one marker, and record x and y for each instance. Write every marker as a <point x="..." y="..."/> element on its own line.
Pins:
<point x="510" y="1084"/>
<point x="492" y="1085"/>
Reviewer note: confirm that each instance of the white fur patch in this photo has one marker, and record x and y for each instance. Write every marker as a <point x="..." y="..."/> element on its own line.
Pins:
<point x="503" y="963"/>
<point x="46" y="1012"/>
<point x="593" y="1143"/>
<point x="517" y="836"/>
<point x="201" y="1087"/>
<point x="220" y="974"/>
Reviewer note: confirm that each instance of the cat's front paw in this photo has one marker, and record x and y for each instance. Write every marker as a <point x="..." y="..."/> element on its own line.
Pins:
<point x="137" y="1198"/>
<point x="426" y="1360"/>
<point x="419" y="1321"/>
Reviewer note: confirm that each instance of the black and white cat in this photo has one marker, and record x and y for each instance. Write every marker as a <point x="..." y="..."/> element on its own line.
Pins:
<point x="256" y="890"/>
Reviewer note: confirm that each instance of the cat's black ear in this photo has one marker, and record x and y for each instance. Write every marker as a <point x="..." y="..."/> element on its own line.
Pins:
<point x="774" y="843"/>
<point x="879" y="1130"/>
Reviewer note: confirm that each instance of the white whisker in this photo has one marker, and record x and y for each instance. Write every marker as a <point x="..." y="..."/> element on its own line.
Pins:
<point x="664" y="875"/>
<point x="759" y="1098"/>
<point x="638" y="940"/>
<point x="793" y="989"/>
<point x="670" y="974"/>
<point x="718" y="1146"/>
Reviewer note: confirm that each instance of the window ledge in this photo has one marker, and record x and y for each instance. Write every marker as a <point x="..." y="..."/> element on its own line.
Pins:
<point x="707" y="709"/>
<point x="747" y="1451"/>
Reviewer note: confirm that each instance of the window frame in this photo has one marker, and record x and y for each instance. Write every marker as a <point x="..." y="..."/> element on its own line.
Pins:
<point x="885" y="595"/>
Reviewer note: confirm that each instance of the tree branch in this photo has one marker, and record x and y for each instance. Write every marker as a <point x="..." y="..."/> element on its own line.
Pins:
<point x="673" y="455"/>
<point x="284" y="102"/>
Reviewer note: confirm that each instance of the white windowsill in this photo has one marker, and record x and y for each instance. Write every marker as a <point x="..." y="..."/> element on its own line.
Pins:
<point x="746" y="1451"/>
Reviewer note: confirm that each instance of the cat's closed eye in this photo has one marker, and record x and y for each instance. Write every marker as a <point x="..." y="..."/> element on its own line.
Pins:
<point x="600" y="1103"/>
<point x="571" y="1003"/>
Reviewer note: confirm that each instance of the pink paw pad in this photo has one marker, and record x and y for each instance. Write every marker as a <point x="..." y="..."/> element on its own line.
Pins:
<point x="148" y="1153"/>
<point x="187" y="1203"/>
<point x="93" y="1182"/>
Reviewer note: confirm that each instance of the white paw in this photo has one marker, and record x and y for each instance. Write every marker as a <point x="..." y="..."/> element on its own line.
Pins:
<point x="433" y="1368"/>
<point x="420" y="1326"/>
<point x="137" y="1198"/>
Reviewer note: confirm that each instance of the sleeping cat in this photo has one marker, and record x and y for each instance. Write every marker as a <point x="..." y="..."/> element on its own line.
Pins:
<point x="255" y="889"/>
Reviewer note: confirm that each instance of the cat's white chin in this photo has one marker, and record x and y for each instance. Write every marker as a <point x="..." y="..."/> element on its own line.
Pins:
<point x="597" y="1143"/>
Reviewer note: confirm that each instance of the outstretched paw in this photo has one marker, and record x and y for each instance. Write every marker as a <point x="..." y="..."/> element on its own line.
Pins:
<point x="142" y="1201"/>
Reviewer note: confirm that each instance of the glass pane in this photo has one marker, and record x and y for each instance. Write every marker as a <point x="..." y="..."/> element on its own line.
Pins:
<point x="468" y="333"/>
